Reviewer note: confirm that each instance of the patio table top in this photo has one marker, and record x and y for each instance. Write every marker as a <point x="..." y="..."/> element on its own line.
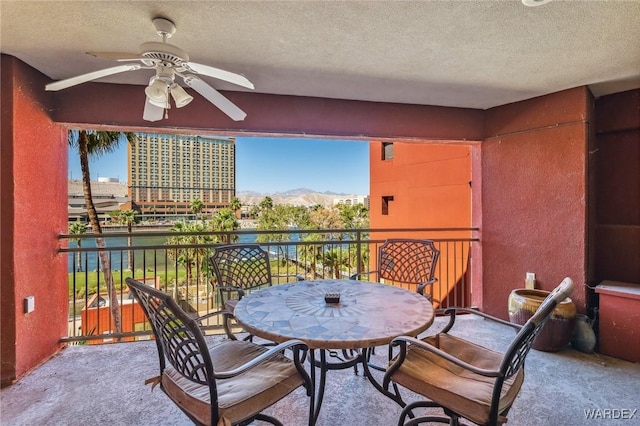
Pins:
<point x="368" y="314"/>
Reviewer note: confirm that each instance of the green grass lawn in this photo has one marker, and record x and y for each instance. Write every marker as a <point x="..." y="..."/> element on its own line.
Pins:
<point x="83" y="284"/>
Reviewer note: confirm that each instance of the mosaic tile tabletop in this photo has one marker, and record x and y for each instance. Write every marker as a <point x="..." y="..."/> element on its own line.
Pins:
<point x="368" y="314"/>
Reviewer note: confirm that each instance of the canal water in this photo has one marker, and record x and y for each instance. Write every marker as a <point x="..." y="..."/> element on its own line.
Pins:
<point x="148" y="258"/>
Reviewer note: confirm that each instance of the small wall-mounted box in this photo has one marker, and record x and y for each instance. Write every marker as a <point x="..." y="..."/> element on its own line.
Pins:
<point x="530" y="281"/>
<point x="29" y="304"/>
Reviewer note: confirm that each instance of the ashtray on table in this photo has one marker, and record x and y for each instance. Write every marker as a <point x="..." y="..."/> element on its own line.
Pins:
<point x="332" y="298"/>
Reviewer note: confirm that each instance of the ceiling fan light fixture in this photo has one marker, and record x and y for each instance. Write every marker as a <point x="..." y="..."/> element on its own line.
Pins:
<point x="180" y="96"/>
<point x="164" y="105"/>
<point x="157" y="92"/>
<point x="168" y="61"/>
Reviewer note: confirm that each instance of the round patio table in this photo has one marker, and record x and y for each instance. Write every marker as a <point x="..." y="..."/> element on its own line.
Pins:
<point x="367" y="315"/>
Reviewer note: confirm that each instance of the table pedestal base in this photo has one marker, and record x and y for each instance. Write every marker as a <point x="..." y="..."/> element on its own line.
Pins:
<point x="323" y="364"/>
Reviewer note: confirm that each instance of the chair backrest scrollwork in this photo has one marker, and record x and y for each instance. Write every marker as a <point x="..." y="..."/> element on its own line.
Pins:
<point x="242" y="266"/>
<point x="407" y="260"/>
<point x="178" y="336"/>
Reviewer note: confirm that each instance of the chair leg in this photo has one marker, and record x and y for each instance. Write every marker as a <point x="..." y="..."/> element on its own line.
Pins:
<point x="227" y="328"/>
<point x="407" y="411"/>
<point x="268" y="419"/>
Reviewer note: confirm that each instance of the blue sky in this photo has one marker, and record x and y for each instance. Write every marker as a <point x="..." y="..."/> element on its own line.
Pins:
<point x="269" y="165"/>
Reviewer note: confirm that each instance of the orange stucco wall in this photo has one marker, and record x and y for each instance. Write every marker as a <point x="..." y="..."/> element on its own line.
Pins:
<point x="431" y="188"/>
<point x="34" y="180"/>
<point x="430" y="185"/>
<point x="534" y="203"/>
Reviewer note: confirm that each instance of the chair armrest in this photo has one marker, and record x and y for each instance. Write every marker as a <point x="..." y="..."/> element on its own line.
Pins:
<point x="421" y="286"/>
<point x="275" y="350"/>
<point x="453" y="311"/>
<point x="402" y="341"/>
<point x="230" y="288"/>
<point x="209" y="315"/>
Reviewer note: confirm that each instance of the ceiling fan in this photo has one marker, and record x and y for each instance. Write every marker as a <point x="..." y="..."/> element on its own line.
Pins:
<point x="168" y="61"/>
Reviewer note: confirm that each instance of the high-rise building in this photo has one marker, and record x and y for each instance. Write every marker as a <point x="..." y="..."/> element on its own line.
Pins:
<point x="168" y="172"/>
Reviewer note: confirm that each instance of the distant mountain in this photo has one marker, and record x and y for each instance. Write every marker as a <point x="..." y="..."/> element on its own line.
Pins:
<point x="289" y="193"/>
<point x="295" y="197"/>
<point x="302" y="191"/>
<point x="248" y="194"/>
<point x="290" y="197"/>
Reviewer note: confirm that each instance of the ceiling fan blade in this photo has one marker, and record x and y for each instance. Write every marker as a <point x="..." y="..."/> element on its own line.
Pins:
<point x="118" y="56"/>
<point x="152" y="112"/>
<point x="73" y="81"/>
<point x="231" y="77"/>
<point x="215" y="97"/>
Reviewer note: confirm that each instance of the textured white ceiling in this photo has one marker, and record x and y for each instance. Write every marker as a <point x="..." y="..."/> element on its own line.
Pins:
<point x="476" y="54"/>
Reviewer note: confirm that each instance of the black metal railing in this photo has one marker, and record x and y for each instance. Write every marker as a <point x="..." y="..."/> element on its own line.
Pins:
<point x="177" y="263"/>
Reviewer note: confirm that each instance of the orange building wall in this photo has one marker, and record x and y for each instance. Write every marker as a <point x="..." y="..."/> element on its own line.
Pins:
<point x="98" y="320"/>
<point x="431" y="188"/>
<point x="430" y="185"/>
<point x="34" y="157"/>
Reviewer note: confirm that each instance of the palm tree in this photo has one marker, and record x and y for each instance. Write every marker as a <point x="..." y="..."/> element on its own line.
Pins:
<point x="94" y="143"/>
<point x="356" y="217"/>
<point x="193" y="257"/>
<point x="266" y="203"/>
<point x="196" y="206"/>
<point x="312" y="253"/>
<point x="128" y="218"/>
<point x="333" y="260"/>
<point x="78" y="228"/>
<point x="235" y="204"/>
<point x="274" y="218"/>
<point x="224" y="220"/>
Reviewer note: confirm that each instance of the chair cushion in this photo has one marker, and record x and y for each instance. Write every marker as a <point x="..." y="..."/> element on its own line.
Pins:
<point x="240" y="397"/>
<point x="454" y="387"/>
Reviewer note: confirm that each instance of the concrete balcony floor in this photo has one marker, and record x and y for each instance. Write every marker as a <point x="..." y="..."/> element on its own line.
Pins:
<point x="105" y="384"/>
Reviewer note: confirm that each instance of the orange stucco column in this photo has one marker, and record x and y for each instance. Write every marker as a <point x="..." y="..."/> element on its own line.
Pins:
<point x="34" y="181"/>
<point x="534" y="196"/>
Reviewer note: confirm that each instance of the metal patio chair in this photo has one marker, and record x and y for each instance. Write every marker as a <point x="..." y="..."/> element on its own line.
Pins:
<point x="407" y="261"/>
<point x="240" y="268"/>
<point x="464" y="379"/>
<point x="227" y="384"/>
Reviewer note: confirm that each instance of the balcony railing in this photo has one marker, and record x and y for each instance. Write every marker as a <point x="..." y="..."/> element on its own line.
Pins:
<point x="177" y="263"/>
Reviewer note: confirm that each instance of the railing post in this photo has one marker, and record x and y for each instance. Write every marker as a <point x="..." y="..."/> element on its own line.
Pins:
<point x="358" y="251"/>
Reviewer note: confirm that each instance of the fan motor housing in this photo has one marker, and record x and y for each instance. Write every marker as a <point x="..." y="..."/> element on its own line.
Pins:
<point x="164" y="52"/>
